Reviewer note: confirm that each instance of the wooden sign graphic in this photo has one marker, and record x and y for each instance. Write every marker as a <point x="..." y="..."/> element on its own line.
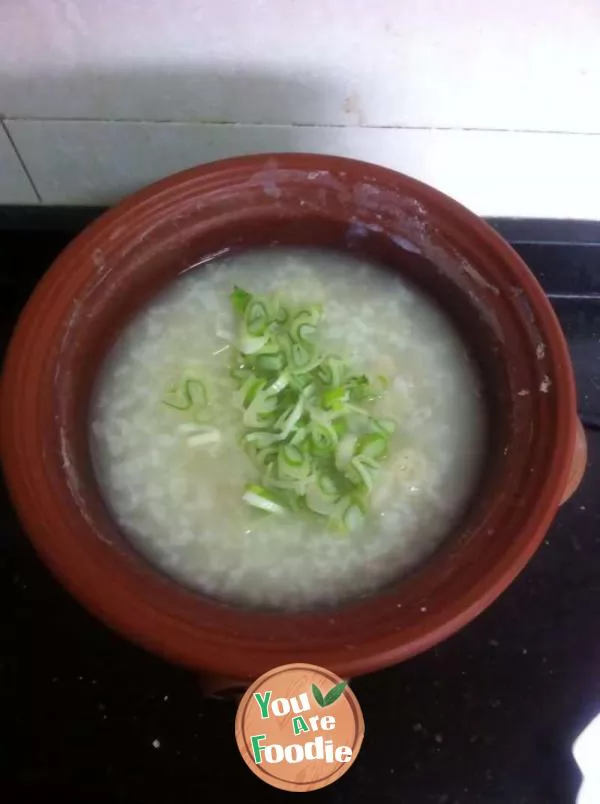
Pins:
<point x="299" y="727"/>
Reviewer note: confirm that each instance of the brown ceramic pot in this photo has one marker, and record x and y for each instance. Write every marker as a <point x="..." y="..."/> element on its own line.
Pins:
<point x="117" y="265"/>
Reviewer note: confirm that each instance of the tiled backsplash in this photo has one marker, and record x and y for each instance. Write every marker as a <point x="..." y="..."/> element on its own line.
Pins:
<point x="494" y="103"/>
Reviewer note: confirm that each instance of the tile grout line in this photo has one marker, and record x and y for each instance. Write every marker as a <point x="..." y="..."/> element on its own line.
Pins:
<point x="21" y="161"/>
<point x="255" y="124"/>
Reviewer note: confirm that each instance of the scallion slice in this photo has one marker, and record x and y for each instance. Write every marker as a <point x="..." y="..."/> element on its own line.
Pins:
<point x="259" y="497"/>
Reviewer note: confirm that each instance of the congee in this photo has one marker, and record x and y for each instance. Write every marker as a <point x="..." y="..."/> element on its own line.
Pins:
<point x="288" y="428"/>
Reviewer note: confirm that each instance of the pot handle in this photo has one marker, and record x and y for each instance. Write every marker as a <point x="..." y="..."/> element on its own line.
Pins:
<point x="578" y="463"/>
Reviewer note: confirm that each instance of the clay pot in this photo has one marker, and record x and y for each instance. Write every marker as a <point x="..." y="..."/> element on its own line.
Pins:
<point x="115" y="267"/>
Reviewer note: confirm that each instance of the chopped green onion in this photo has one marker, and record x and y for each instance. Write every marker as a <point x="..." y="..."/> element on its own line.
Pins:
<point x="345" y="451"/>
<point x="353" y="516"/>
<point x="256" y="316"/>
<point x="335" y="398"/>
<point x="328" y="486"/>
<point x="204" y="436"/>
<point x="323" y="438"/>
<point x="261" y="498"/>
<point x="310" y="430"/>
<point x="360" y="388"/>
<point x="359" y="473"/>
<point x="262" y="438"/>
<point x="280" y="383"/>
<point x="299" y="436"/>
<point x="304" y="325"/>
<point x="292" y="455"/>
<point x="259" y="411"/>
<point x="320" y="502"/>
<point x="290" y="418"/>
<point x="293" y="463"/>
<point x="270" y="362"/>
<point x="247" y="391"/>
<point x="240" y="299"/>
<point x="332" y="371"/>
<point x="308" y="425"/>
<point x="387" y="426"/>
<point x="373" y="446"/>
<point x="250" y="345"/>
<point x="189" y="395"/>
<point x="303" y="358"/>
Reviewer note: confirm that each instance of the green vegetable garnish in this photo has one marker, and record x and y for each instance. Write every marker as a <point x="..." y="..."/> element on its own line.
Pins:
<point x="240" y="299"/>
<point x="309" y="430"/>
<point x="307" y="424"/>
<point x="190" y="395"/>
<point x="262" y="498"/>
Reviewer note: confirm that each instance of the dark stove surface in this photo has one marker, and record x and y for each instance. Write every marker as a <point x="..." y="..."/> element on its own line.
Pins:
<point x="488" y="717"/>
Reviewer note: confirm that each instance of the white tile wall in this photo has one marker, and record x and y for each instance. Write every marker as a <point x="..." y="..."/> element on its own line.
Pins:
<point x="518" y="64"/>
<point x="489" y="101"/>
<point x="494" y="173"/>
<point x="15" y="187"/>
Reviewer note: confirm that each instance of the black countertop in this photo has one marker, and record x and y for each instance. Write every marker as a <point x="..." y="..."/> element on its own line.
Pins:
<point x="487" y="717"/>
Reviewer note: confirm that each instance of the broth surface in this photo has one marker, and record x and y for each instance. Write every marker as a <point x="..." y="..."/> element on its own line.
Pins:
<point x="182" y="506"/>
